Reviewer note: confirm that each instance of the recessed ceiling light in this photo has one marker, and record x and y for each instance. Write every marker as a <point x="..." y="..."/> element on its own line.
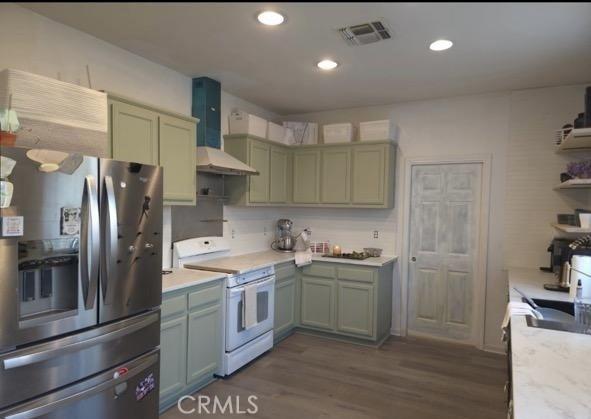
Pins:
<point x="441" y="45"/>
<point x="327" y="65"/>
<point x="270" y="18"/>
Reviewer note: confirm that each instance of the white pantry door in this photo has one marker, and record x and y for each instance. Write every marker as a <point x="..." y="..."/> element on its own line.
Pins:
<point x="444" y="226"/>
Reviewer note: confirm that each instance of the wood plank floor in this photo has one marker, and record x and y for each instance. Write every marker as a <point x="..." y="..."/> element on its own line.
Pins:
<point x="307" y="377"/>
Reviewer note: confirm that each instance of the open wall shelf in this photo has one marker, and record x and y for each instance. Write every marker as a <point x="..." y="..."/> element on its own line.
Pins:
<point x="578" y="139"/>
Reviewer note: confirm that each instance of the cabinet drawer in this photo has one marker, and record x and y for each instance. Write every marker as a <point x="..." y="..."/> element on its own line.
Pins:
<point x="316" y="269"/>
<point x="285" y="271"/>
<point x="355" y="274"/>
<point x="205" y="296"/>
<point x="174" y="306"/>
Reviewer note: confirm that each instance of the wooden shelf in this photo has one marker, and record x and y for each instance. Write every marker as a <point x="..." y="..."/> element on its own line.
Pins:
<point x="578" y="139"/>
<point x="575" y="184"/>
<point x="565" y="228"/>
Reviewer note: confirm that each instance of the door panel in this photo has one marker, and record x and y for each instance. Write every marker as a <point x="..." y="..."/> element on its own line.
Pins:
<point x="131" y="212"/>
<point x="205" y="345"/>
<point x="335" y="176"/>
<point x="369" y="175"/>
<point x="279" y="175"/>
<point x="356" y="308"/>
<point x="318" y="303"/>
<point x="134" y="133"/>
<point x="177" y="157"/>
<point x="445" y="207"/>
<point x="306" y="177"/>
<point x="49" y="274"/>
<point x="285" y="306"/>
<point x="260" y="160"/>
<point x="173" y="346"/>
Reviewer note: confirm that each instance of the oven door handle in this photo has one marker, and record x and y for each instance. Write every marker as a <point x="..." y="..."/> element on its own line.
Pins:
<point x="260" y="283"/>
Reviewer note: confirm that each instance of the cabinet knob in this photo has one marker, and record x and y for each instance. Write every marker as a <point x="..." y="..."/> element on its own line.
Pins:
<point x="131" y="249"/>
<point x="149" y="246"/>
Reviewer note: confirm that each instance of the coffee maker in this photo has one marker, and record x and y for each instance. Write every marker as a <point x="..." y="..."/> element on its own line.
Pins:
<point x="285" y="241"/>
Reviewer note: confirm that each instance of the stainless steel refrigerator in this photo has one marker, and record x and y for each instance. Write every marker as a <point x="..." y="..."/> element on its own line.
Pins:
<point x="80" y="286"/>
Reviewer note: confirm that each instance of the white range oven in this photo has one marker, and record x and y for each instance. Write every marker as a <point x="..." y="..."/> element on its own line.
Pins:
<point x="241" y="344"/>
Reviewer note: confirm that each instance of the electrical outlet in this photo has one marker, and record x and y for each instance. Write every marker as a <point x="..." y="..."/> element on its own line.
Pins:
<point x="376" y="234"/>
<point x="233" y="233"/>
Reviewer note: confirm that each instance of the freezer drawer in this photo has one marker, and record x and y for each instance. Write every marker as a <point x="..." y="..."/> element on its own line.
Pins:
<point x="38" y="369"/>
<point x="129" y="390"/>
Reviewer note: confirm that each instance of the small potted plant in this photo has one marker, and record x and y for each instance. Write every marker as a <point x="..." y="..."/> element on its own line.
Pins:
<point x="8" y="125"/>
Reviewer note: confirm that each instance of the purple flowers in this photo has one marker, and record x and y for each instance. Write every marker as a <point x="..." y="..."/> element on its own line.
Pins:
<point x="579" y="169"/>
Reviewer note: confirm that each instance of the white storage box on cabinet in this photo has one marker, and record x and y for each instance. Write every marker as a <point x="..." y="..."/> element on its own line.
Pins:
<point x="275" y="132"/>
<point x="378" y="130"/>
<point x="299" y="133"/>
<point x="244" y="123"/>
<point x="338" y="133"/>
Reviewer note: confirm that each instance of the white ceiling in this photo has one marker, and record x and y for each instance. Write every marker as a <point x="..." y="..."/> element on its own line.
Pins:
<point x="497" y="47"/>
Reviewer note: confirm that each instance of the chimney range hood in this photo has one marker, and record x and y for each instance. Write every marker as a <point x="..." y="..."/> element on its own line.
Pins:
<point x="213" y="160"/>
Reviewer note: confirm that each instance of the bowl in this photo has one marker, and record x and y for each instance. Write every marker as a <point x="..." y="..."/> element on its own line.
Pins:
<point x="373" y="251"/>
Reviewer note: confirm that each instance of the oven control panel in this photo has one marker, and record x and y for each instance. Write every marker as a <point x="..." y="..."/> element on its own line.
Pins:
<point x="251" y="276"/>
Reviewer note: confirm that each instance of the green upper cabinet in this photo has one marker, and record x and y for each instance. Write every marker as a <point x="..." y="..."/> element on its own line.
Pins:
<point x="178" y="158"/>
<point x="335" y="176"/>
<point x="259" y="158"/>
<point x="351" y="175"/>
<point x="143" y="134"/>
<point x="134" y="133"/>
<point x="306" y="176"/>
<point x="372" y="182"/>
<point x="272" y="185"/>
<point x="279" y="176"/>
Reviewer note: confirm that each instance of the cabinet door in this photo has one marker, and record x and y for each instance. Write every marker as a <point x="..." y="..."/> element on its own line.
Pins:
<point x="318" y="303"/>
<point x="306" y="177"/>
<point x="285" y="309"/>
<point x="355" y="308"/>
<point x="205" y="343"/>
<point x="368" y="176"/>
<point x="335" y="176"/>
<point x="259" y="159"/>
<point x="178" y="154"/>
<point x="134" y="133"/>
<point x="278" y="175"/>
<point x="173" y="356"/>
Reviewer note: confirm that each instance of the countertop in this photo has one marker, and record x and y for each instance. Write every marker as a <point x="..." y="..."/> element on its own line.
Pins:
<point x="181" y="278"/>
<point x="244" y="263"/>
<point x="551" y="369"/>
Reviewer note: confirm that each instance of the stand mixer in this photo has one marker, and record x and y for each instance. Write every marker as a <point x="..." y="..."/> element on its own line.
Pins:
<point x="285" y="241"/>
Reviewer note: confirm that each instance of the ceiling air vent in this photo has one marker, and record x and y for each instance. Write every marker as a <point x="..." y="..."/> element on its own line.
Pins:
<point x="366" y="33"/>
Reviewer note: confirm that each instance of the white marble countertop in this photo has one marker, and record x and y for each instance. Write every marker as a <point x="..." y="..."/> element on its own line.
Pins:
<point x="247" y="262"/>
<point x="181" y="278"/>
<point x="551" y="369"/>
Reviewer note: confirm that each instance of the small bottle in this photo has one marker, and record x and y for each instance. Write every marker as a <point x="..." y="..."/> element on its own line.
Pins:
<point x="577" y="302"/>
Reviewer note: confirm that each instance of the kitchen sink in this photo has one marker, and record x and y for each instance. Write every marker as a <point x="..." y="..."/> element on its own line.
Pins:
<point x="558" y="326"/>
<point x="567" y="307"/>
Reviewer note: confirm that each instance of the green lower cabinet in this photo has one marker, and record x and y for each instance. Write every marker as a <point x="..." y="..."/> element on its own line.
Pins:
<point x="204" y="350"/>
<point x="173" y="356"/>
<point x="348" y="300"/>
<point x="285" y="307"/>
<point x="318" y="303"/>
<point x="190" y="340"/>
<point x="355" y="308"/>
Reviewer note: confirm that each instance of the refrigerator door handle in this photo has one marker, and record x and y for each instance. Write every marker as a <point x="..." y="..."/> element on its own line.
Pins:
<point x="111" y="238"/>
<point x="48" y="404"/>
<point x="32" y="357"/>
<point x="89" y="242"/>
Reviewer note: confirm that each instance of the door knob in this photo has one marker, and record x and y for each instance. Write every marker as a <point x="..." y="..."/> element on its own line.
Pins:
<point x="413" y="259"/>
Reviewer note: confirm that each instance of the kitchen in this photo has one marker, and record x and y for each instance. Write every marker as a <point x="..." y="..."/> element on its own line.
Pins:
<point x="329" y="316"/>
